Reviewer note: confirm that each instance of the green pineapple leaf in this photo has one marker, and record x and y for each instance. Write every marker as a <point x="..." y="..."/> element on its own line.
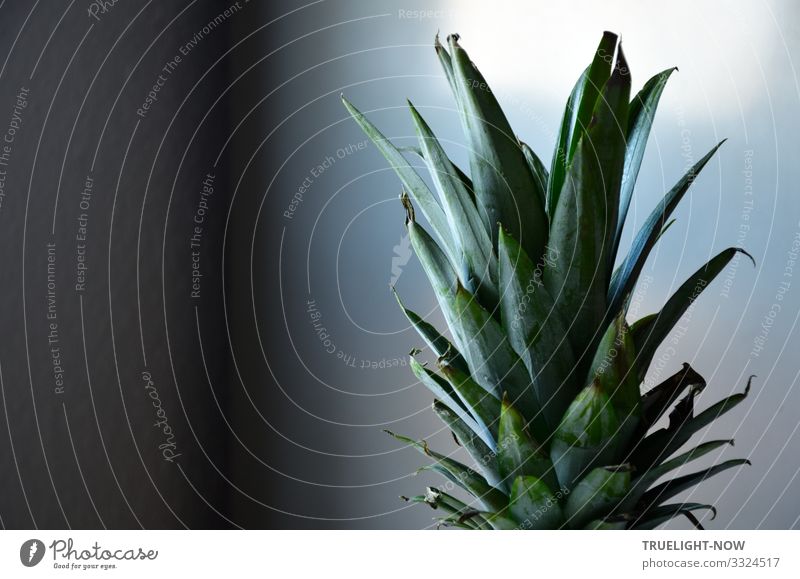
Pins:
<point x="484" y="456"/>
<point x="583" y="223"/>
<point x="640" y="120"/>
<point x="459" y="474"/>
<point x="485" y="407"/>
<point x="597" y="494"/>
<point x="465" y="180"/>
<point x="683" y="424"/>
<point x="608" y="132"/>
<point x="614" y="369"/>
<point x="660" y="515"/>
<point x="479" y="337"/>
<point x="584" y="439"/>
<point x="458" y="513"/>
<point x="624" y="278"/>
<point x="578" y="113"/>
<point x="539" y="172"/>
<point x="658" y="400"/>
<point x="438" y="344"/>
<point x="658" y="328"/>
<point x="472" y="239"/>
<point x="536" y="330"/>
<point x="517" y="453"/>
<point x="643" y="482"/>
<point x="670" y="488"/>
<point x="444" y="392"/>
<point x="533" y="505"/>
<point x="447" y="67"/>
<point x="411" y="180"/>
<point x="504" y="185"/>
<point x="492" y="361"/>
<point x="438" y="269"/>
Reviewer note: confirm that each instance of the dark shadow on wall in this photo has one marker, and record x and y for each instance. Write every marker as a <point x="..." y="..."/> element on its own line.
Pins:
<point x="108" y="417"/>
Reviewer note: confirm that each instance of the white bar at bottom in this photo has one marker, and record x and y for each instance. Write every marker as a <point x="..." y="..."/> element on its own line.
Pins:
<point x="355" y="554"/>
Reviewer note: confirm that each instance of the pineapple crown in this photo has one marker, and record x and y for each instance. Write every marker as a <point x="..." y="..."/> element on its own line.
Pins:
<point x="541" y="380"/>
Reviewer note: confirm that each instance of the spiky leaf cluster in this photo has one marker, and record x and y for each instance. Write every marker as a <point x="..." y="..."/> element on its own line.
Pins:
<point x="541" y="380"/>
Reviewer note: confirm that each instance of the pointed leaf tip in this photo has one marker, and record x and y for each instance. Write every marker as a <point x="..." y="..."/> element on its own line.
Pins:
<point x="741" y="250"/>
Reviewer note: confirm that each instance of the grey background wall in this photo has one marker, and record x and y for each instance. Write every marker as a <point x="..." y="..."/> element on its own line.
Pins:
<point x="275" y="383"/>
<point x="82" y="432"/>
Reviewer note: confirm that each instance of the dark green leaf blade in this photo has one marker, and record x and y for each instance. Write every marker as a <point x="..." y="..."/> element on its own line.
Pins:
<point x="460" y="474"/>
<point x="658" y="399"/>
<point x="438" y="344"/>
<point x="483" y="405"/>
<point x="492" y="361"/>
<point x="471" y="238"/>
<point x="583" y="224"/>
<point x="597" y="76"/>
<point x="650" y="475"/>
<point x="438" y="269"/>
<point x="504" y="185"/>
<point x="484" y="456"/>
<point x="539" y="172"/>
<point x="658" y="328"/>
<point x="613" y="367"/>
<point x="577" y="115"/>
<point x="608" y="130"/>
<point x="533" y="505"/>
<point x="414" y="184"/>
<point x="442" y="390"/>
<point x="640" y="121"/>
<point x="597" y="494"/>
<point x="558" y="166"/>
<point x="683" y="424"/>
<point x="670" y="488"/>
<point x="584" y="438"/>
<point x="625" y="277"/>
<point x="660" y="515"/>
<point x="577" y="277"/>
<point x="517" y="453"/>
<point x="535" y="329"/>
